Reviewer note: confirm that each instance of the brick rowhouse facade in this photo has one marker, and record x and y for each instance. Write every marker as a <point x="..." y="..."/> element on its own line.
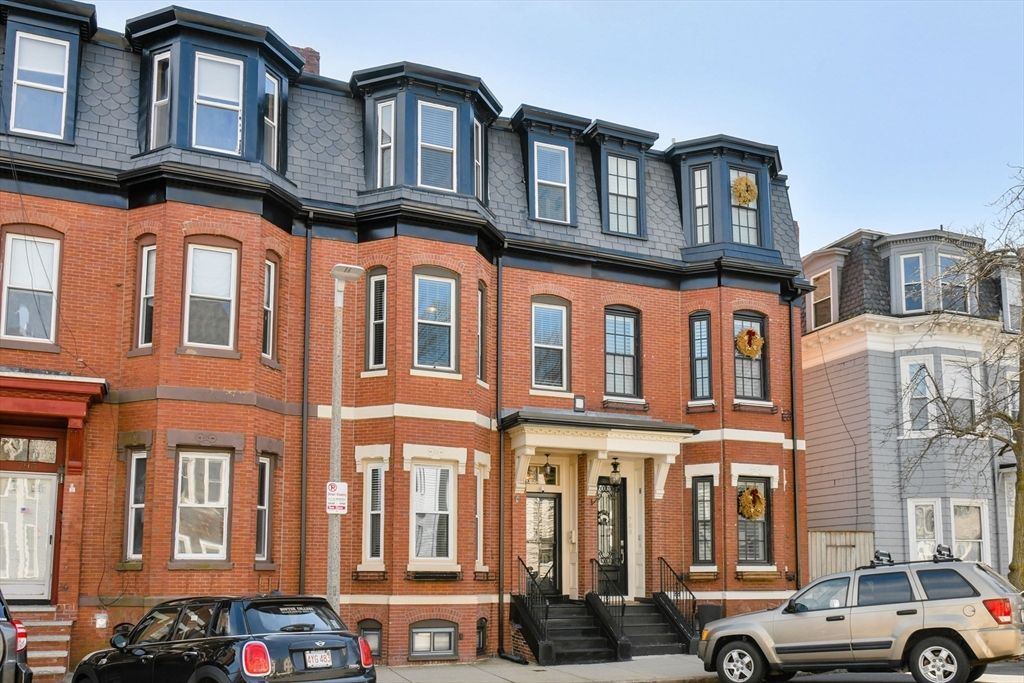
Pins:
<point x="146" y="245"/>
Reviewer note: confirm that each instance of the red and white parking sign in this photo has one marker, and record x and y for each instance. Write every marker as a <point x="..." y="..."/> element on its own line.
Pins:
<point x="337" y="498"/>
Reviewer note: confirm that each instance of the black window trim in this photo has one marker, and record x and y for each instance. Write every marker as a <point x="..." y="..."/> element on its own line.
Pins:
<point x="694" y="318"/>
<point x="626" y="311"/>
<point x="710" y="481"/>
<point x="766" y="487"/>
<point x="753" y="316"/>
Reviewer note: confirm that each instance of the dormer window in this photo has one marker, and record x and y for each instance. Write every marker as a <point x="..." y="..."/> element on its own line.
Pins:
<point x="385" y="144"/>
<point x="217" y="122"/>
<point x="551" y="182"/>
<point x="1011" y="302"/>
<point x="160" y="118"/>
<point x="744" y="211"/>
<point x="622" y="195"/>
<point x="953" y="283"/>
<point x="821" y="308"/>
<point x="271" y="118"/>
<point x="913" y="283"/>
<point x="40" y="85"/>
<point x="437" y="146"/>
<point x="478" y="160"/>
<point x="702" y="204"/>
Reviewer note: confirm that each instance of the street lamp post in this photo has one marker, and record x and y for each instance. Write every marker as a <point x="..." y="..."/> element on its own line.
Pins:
<point x="341" y="274"/>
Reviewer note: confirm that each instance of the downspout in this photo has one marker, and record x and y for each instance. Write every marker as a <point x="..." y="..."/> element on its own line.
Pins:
<point x="305" y="405"/>
<point x="796" y="472"/>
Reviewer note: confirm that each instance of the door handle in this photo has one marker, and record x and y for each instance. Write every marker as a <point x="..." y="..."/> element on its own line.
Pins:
<point x="905" y="612"/>
<point x="838" y="617"/>
<point x="188" y="654"/>
<point x="146" y="658"/>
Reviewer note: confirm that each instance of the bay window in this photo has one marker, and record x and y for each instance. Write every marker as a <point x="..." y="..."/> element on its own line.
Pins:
<point x="434" y="333"/>
<point x="136" y="504"/>
<point x="217" y="106"/>
<point x="147" y="291"/>
<point x="550" y="357"/>
<point x="31" y="267"/>
<point x="160" y="107"/>
<point x="432" y="511"/>
<point x="751" y="373"/>
<point x="912" y="283"/>
<point x="263" y="489"/>
<point x="201" y="514"/>
<point x="753" y="534"/>
<point x="551" y="182"/>
<point x="210" y="299"/>
<point x="437" y="160"/>
<point x="271" y="119"/>
<point x="385" y="144"/>
<point x="744" y="214"/>
<point x="40" y="85"/>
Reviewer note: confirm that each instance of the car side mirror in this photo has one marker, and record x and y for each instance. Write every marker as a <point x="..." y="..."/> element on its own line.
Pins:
<point x="124" y="627"/>
<point x="790" y="607"/>
<point x="120" y="641"/>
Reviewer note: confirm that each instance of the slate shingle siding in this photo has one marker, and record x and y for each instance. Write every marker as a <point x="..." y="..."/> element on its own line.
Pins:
<point x="864" y="283"/>
<point x="325" y="145"/>
<point x="783" y="229"/>
<point x="990" y="299"/>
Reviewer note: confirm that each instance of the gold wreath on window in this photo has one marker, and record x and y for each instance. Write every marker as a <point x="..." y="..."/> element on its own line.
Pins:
<point x="752" y="504"/>
<point x="749" y="342"/>
<point x="744" y="190"/>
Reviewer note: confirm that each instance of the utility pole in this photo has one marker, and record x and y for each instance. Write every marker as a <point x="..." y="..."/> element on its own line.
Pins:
<point x="341" y="274"/>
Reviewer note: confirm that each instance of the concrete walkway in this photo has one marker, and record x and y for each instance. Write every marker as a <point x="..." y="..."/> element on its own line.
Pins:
<point x="653" y="669"/>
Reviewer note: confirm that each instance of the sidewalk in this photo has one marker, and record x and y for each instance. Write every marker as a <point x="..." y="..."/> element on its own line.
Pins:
<point x="654" y="669"/>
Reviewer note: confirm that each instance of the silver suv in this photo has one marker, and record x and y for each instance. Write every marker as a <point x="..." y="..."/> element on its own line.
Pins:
<point x="944" y="620"/>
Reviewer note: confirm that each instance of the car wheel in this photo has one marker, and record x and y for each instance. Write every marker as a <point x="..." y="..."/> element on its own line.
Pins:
<point x="939" y="660"/>
<point x="740" y="662"/>
<point x="976" y="672"/>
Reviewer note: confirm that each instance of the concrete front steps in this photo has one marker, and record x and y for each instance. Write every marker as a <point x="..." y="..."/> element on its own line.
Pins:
<point x="48" y="640"/>
<point x="576" y="635"/>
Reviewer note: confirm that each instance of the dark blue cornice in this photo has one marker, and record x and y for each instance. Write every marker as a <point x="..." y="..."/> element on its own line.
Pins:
<point x="599" y="130"/>
<point x="727" y="143"/>
<point x="80" y="15"/>
<point x="365" y="81"/>
<point x="529" y="116"/>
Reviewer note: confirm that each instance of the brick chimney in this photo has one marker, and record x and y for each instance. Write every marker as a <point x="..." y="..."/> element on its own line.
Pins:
<point x="312" y="58"/>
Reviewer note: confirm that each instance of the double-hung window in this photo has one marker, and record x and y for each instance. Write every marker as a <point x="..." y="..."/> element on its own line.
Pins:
<point x="375" y="512"/>
<point x="147" y="283"/>
<point x="478" y="160"/>
<point x="201" y="522"/>
<point x="918" y="395"/>
<point x="40" y="83"/>
<point x="702" y="205"/>
<point x="821" y="308"/>
<point x="378" y="312"/>
<point x="160" y="111"/>
<point x="263" y="489"/>
<point x="136" y="504"/>
<point x="210" y="298"/>
<point x="271" y="119"/>
<point x="703" y="520"/>
<point x="753" y="534"/>
<point x="700" y="357"/>
<point x="925" y="528"/>
<point x="435" y="322"/>
<point x="437" y="146"/>
<point x="30" y="287"/>
<point x="432" y="511"/>
<point x="744" y="216"/>
<point x="217" y="108"/>
<point x="970" y="527"/>
<point x="621" y="352"/>
<point x="551" y="181"/>
<point x="1012" y="310"/>
<point x="549" y="346"/>
<point x="958" y="383"/>
<point x="481" y="363"/>
<point x="751" y="376"/>
<point x="913" y="283"/>
<point x="385" y="144"/>
<point x="953" y="282"/>
<point x="269" y="302"/>
<point x="622" y="195"/>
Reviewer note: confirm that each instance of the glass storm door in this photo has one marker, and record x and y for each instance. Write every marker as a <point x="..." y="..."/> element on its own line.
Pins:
<point x="28" y="504"/>
<point x="611" y="531"/>
<point x="543" y="527"/>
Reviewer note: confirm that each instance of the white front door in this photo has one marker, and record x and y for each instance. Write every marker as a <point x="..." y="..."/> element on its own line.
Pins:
<point x="637" y="539"/>
<point x="28" y="504"/>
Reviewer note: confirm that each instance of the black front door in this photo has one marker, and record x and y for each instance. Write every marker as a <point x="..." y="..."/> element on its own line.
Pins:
<point x="543" y="531"/>
<point x="611" y="531"/>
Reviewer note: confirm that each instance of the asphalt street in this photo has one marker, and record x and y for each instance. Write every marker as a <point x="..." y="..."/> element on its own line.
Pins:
<point x="1002" y="672"/>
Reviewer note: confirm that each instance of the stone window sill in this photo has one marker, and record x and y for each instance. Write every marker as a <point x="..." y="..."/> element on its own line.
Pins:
<point x="129" y="566"/>
<point x="269" y="362"/>
<point x="433" y="658"/>
<point x="264" y="566"/>
<point x="438" y="374"/>
<point x="143" y="351"/>
<point x="210" y="353"/>
<point x="374" y="373"/>
<point x="42" y="346"/>
<point x="200" y="565"/>
<point x="551" y="393"/>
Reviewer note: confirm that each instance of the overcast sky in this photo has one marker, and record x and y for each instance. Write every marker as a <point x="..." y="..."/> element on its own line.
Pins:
<point x="888" y="116"/>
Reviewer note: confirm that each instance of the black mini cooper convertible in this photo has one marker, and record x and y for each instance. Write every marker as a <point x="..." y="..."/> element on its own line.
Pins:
<point x="233" y="640"/>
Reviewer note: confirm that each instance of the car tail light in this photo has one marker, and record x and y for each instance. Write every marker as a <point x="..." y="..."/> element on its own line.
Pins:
<point x="365" y="653"/>
<point x="1000" y="610"/>
<point x="255" y="659"/>
<point x="20" y="636"/>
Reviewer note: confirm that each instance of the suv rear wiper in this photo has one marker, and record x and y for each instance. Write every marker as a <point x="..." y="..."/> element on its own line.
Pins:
<point x="291" y="628"/>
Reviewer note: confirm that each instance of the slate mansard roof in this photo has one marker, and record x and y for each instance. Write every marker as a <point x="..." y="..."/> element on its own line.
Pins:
<point x="325" y="166"/>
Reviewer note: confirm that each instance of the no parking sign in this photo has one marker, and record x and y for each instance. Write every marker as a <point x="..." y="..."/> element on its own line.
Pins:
<point x="337" y="498"/>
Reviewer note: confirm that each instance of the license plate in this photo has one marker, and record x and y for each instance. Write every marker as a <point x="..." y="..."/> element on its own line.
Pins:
<point x="318" y="659"/>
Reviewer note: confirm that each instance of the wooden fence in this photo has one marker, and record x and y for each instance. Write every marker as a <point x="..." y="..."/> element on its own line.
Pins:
<point x="839" y="551"/>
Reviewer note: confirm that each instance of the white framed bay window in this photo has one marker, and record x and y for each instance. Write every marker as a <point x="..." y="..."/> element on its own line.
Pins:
<point x="136" y="504"/>
<point x="264" y="467"/>
<point x="31" y="267"/>
<point x="373" y="462"/>
<point x="435" y="331"/>
<point x="433" y="505"/>
<point x="550" y="352"/>
<point x="201" y="506"/>
<point x="551" y="182"/>
<point x="217" y="104"/>
<point x="40" y="85"/>
<point x="436" y="150"/>
<point x="211" y="296"/>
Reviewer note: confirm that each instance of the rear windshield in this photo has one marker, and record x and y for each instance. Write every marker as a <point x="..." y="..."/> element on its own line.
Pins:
<point x="998" y="579"/>
<point x="945" y="584"/>
<point x="291" y="617"/>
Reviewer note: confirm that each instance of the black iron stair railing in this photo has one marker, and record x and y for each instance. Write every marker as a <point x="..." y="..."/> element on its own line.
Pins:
<point x="608" y="604"/>
<point x="534" y="600"/>
<point x="674" y="594"/>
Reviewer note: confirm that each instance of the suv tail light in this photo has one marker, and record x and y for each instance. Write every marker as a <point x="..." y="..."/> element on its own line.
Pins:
<point x="1000" y="610"/>
<point x="20" y="636"/>
<point x="255" y="659"/>
<point x="365" y="653"/>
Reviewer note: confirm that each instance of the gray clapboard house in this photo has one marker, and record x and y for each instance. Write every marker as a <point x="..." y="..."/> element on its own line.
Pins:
<point x="874" y="348"/>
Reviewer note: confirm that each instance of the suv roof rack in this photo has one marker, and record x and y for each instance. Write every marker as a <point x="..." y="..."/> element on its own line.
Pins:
<point x="943" y="553"/>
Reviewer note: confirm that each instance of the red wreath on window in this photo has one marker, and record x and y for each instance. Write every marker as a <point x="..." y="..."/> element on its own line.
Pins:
<point x="749" y="342"/>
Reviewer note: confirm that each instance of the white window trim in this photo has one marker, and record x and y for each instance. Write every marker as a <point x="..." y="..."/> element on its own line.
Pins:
<point x="742" y="469"/>
<point x="226" y="485"/>
<point x="831" y="299"/>
<point x="903" y="284"/>
<point x="985" y="537"/>
<point x="1006" y="280"/>
<point x="478" y="160"/>
<point x="368" y="458"/>
<point x="973" y="365"/>
<point x="381" y="147"/>
<point x="162" y="57"/>
<point x="480" y="322"/>
<point x="482" y="470"/>
<point x="383" y="322"/>
<point x="912" y="522"/>
<point x="232" y="299"/>
<point x="533" y="348"/>
<point x="967" y="285"/>
<point x="55" y="266"/>
<point x="261" y="462"/>
<point x="905" y="363"/>
<point x="37" y="86"/>
<point x="420" y="145"/>
<point x="451" y="323"/>
<point x="142" y="293"/>
<point x="444" y="456"/>
<point x="708" y="470"/>
<point x="219" y="105"/>
<point x="134" y="457"/>
<point x="274" y="121"/>
<point x="537" y="182"/>
<point x="270" y="286"/>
